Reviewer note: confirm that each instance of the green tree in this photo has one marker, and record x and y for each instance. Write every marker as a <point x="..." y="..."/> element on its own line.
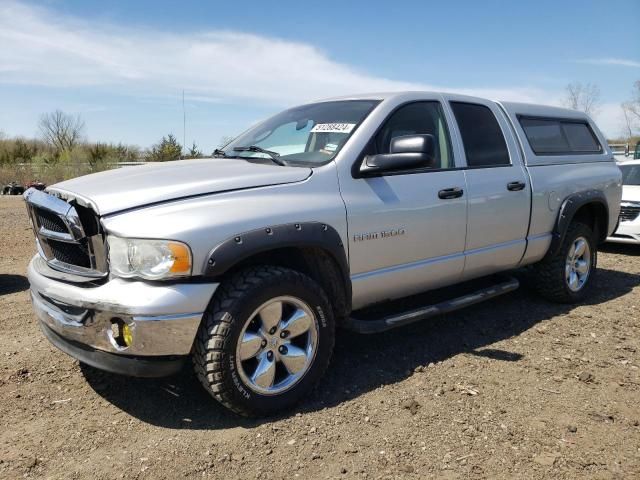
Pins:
<point x="194" y="151"/>
<point x="22" y="151"/>
<point x="97" y="153"/>
<point x="167" y="149"/>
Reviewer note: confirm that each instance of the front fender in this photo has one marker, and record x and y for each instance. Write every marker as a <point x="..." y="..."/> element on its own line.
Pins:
<point x="302" y="234"/>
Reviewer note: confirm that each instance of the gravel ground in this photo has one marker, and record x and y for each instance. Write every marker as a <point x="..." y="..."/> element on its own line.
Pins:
<point x="513" y="388"/>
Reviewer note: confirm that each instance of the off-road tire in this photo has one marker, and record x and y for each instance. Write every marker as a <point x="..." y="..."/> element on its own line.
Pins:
<point x="233" y="303"/>
<point x="548" y="276"/>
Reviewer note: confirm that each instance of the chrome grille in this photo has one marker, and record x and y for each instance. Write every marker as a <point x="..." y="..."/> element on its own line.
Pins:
<point x="70" y="253"/>
<point x="61" y="236"/>
<point x="51" y="221"/>
<point x="628" y="213"/>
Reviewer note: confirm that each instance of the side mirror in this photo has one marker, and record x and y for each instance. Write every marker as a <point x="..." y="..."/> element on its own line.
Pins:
<point x="407" y="152"/>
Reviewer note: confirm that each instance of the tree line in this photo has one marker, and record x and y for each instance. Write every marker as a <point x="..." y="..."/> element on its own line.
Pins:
<point x="62" y="138"/>
<point x="61" y="151"/>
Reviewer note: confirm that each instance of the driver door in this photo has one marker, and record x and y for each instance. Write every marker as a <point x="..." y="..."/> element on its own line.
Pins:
<point x="406" y="233"/>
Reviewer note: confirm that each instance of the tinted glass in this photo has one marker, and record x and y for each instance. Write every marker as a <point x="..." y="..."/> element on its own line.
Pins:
<point x="418" y="118"/>
<point x="630" y="174"/>
<point x="580" y="137"/>
<point x="555" y="136"/>
<point x="545" y="136"/>
<point x="484" y="144"/>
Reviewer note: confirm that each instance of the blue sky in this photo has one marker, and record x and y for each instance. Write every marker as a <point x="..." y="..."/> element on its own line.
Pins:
<point x="122" y="65"/>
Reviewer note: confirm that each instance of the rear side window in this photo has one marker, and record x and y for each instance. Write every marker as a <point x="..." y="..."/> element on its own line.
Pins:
<point x="548" y="136"/>
<point x="483" y="141"/>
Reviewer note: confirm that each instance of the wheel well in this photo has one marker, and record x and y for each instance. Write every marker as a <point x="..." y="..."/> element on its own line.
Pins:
<point x="594" y="215"/>
<point x="314" y="262"/>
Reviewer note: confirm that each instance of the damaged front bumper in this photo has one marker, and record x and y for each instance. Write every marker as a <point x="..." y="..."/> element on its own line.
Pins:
<point x="84" y="320"/>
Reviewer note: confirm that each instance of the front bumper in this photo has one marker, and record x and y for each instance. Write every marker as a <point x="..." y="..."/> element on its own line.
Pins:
<point x="78" y="318"/>
<point x="134" y="366"/>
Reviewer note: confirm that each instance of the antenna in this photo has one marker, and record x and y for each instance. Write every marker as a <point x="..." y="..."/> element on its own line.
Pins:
<point x="184" y="123"/>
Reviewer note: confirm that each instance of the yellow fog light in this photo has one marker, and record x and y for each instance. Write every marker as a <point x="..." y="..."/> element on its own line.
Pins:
<point x="127" y="335"/>
<point x="121" y="333"/>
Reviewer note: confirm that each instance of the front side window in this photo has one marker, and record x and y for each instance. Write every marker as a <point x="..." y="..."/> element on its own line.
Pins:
<point x="550" y="136"/>
<point x="483" y="141"/>
<point x="307" y="135"/>
<point x="418" y="118"/>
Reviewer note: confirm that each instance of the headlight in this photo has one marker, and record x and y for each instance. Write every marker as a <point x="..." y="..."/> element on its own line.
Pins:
<point x="150" y="259"/>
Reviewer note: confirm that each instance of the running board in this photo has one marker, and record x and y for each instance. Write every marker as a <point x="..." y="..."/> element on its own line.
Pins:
<point x="376" y="325"/>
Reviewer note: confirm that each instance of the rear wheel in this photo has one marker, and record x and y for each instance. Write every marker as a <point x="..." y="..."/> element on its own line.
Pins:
<point x="265" y="341"/>
<point x="568" y="275"/>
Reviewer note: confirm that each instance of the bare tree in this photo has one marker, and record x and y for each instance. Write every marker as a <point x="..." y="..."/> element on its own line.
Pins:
<point x="585" y="98"/>
<point x="61" y="130"/>
<point x="629" y="122"/>
<point x="632" y="107"/>
<point x="631" y="111"/>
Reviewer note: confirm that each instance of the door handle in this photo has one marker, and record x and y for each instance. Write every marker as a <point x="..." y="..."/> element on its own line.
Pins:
<point x="448" y="193"/>
<point x="515" y="186"/>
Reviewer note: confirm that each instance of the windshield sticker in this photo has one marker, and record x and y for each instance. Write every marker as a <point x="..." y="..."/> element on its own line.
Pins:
<point x="333" y="128"/>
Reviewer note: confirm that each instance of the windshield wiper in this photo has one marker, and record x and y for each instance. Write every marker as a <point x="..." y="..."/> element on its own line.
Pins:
<point x="274" y="156"/>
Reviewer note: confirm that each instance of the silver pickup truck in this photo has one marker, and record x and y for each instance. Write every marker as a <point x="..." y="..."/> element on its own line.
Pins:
<point x="326" y="215"/>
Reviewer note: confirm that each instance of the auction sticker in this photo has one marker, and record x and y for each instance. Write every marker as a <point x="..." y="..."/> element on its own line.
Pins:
<point x="333" y="128"/>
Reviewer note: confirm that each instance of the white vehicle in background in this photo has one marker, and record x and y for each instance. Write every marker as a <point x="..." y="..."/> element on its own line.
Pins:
<point x="628" y="230"/>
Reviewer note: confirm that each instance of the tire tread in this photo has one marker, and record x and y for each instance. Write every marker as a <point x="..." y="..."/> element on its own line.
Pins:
<point x="209" y="348"/>
<point x="548" y="275"/>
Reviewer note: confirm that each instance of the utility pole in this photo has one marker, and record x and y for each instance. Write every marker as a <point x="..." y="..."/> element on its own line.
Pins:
<point x="184" y="124"/>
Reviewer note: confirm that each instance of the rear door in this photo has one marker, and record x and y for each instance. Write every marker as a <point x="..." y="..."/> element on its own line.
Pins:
<point x="499" y="193"/>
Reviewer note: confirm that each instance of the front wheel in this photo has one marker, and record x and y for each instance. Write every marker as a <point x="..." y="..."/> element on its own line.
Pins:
<point x="568" y="275"/>
<point x="265" y="340"/>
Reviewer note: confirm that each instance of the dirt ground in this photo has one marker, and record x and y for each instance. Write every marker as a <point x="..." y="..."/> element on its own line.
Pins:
<point x="513" y="388"/>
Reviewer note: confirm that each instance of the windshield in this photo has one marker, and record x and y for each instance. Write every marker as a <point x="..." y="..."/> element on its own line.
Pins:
<point x="630" y="174"/>
<point x="307" y="135"/>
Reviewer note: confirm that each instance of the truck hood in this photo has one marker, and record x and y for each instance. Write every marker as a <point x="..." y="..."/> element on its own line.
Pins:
<point x="130" y="187"/>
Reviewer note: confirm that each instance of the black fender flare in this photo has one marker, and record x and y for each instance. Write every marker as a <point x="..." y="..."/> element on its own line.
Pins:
<point x="567" y="212"/>
<point x="299" y="234"/>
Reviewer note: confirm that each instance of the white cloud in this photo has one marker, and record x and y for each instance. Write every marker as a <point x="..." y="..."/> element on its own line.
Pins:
<point x="622" y="62"/>
<point x="41" y="47"/>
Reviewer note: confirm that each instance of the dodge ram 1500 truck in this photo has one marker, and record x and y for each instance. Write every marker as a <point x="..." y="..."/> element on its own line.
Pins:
<point x="311" y="220"/>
